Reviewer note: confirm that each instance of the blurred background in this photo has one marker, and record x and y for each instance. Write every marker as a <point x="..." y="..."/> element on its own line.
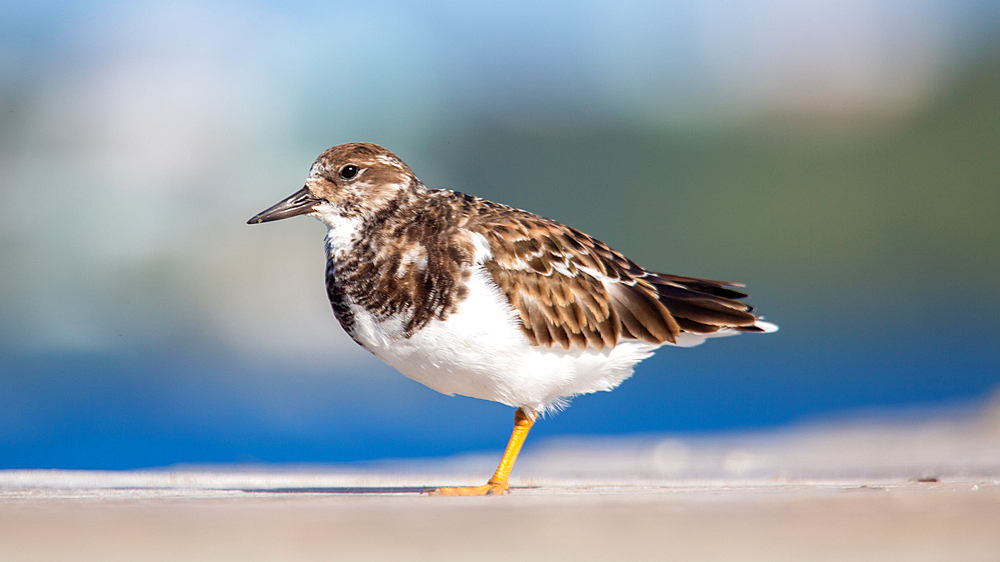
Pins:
<point x="840" y="158"/>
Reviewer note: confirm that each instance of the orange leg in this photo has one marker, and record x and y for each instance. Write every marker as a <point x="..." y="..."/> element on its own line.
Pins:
<point x="498" y="484"/>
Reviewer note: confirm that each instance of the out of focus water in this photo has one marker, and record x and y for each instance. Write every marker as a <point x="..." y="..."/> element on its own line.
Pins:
<point x="843" y="161"/>
<point x="111" y="412"/>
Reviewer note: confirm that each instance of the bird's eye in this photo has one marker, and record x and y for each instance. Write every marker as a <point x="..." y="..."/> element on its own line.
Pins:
<point x="348" y="171"/>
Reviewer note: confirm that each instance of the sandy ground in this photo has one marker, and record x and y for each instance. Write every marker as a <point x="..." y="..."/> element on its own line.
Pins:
<point x="908" y="490"/>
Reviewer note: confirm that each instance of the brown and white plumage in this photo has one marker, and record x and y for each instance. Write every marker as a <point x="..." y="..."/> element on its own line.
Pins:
<point x="401" y="259"/>
<point x="476" y="298"/>
<point x="573" y="291"/>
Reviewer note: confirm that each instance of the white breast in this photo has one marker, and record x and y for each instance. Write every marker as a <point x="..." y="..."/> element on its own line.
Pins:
<point x="479" y="351"/>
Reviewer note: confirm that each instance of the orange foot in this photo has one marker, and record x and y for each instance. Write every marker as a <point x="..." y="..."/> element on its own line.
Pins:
<point x="498" y="484"/>
<point x="491" y="488"/>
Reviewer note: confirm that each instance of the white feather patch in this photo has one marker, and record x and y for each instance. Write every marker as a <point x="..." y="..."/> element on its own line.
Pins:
<point x="342" y="231"/>
<point x="483" y="250"/>
<point x="766" y="326"/>
<point x="481" y="352"/>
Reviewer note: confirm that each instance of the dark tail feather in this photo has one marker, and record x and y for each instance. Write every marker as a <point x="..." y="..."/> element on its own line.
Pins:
<point x="705" y="306"/>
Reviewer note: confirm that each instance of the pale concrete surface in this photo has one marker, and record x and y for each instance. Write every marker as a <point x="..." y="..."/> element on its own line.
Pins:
<point x="846" y="491"/>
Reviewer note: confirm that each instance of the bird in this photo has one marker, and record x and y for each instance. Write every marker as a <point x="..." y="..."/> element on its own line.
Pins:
<point x="480" y="299"/>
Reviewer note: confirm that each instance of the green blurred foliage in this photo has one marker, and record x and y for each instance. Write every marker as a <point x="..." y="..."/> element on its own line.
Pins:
<point x="880" y="207"/>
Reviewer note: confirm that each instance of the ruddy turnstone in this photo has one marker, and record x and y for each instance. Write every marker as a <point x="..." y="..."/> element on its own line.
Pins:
<point x="480" y="299"/>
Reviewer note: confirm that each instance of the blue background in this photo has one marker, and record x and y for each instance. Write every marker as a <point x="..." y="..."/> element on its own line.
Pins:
<point x="842" y="161"/>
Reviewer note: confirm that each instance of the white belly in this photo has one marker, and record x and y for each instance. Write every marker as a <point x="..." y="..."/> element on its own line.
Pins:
<point x="479" y="351"/>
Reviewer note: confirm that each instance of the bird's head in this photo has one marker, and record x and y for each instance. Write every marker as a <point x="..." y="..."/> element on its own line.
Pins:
<point x="350" y="180"/>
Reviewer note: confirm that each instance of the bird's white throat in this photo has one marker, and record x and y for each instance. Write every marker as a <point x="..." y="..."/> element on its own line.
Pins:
<point x="342" y="231"/>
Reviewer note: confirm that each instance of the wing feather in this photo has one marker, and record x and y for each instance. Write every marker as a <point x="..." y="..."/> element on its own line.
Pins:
<point x="572" y="291"/>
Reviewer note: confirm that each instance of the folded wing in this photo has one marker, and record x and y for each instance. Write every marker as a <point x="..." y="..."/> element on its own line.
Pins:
<point x="573" y="291"/>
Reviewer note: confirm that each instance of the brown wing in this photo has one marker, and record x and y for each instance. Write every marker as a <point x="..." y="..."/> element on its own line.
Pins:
<point x="558" y="280"/>
<point x="574" y="291"/>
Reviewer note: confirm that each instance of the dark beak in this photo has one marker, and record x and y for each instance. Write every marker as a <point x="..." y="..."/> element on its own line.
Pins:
<point x="298" y="203"/>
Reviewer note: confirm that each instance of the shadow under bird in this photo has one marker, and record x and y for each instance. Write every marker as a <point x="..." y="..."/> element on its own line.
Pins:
<point x="480" y="299"/>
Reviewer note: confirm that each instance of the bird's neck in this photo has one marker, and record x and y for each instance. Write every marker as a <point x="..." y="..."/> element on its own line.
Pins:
<point x="342" y="233"/>
<point x="347" y="230"/>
